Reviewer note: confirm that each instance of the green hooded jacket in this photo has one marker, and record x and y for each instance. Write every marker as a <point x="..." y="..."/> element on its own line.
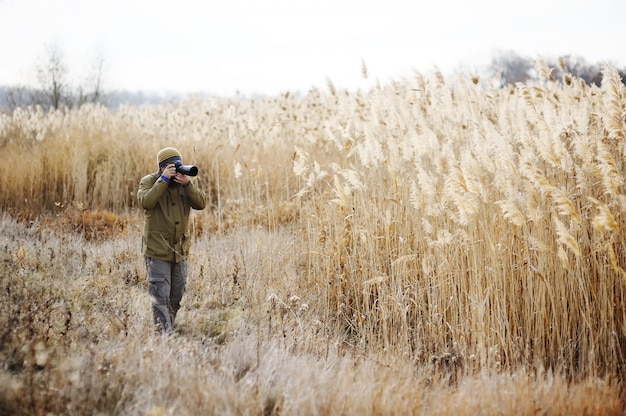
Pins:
<point x="166" y="217"/>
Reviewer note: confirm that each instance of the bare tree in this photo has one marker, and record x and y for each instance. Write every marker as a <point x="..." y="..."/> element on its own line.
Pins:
<point x="91" y="90"/>
<point x="512" y="68"/>
<point x="19" y="96"/>
<point x="577" y="67"/>
<point x="52" y="75"/>
<point x="54" y="89"/>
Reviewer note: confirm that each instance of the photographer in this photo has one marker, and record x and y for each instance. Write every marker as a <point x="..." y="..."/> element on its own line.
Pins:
<point x="167" y="197"/>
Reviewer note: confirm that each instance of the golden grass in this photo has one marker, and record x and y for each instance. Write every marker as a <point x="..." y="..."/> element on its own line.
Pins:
<point x="424" y="248"/>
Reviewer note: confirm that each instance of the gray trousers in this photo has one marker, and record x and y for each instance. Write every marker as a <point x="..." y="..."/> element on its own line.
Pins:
<point x="167" y="286"/>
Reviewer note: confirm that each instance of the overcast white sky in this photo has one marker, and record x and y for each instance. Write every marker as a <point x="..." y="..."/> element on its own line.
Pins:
<point x="274" y="46"/>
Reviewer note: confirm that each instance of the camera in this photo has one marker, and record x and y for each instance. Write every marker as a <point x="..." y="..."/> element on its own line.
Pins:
<point x="188" y="170"/>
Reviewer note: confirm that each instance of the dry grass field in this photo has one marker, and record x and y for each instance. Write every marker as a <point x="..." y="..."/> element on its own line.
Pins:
<point x="427" y="247"/>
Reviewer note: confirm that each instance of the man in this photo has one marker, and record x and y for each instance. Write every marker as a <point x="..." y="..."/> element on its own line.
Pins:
<point x="167" y="197"/>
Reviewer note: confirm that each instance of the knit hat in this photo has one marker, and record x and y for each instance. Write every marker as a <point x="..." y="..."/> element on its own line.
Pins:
<point x="167" y="156"/>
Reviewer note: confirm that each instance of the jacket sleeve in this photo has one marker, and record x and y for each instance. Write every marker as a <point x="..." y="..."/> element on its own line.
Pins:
<point x="151" y="189"/>
<point x="196" y="197"/>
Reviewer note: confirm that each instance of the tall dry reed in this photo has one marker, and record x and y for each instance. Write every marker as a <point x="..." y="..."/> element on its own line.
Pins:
<point x="465" y="221"/>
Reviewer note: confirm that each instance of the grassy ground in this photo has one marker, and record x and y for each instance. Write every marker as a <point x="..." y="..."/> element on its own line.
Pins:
<point x="76" y="339"/>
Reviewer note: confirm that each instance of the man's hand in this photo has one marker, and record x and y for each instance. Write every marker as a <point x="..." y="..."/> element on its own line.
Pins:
<point x="180" y="178"/>
<point x="169" y="171"/>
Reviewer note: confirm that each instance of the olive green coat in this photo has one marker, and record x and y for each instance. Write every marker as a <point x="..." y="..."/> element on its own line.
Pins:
<point x="166" y="217"/>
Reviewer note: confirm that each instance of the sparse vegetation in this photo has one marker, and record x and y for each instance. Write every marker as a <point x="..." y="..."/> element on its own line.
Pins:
<point x="426" y="247"/>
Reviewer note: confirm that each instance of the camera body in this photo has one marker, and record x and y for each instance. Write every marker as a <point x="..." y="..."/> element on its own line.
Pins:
<point x="188" y="170"/>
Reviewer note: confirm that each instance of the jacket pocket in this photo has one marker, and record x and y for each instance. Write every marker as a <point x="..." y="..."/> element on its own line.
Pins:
<point x="186" y="244"/>
<point x="157" y="245"/>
